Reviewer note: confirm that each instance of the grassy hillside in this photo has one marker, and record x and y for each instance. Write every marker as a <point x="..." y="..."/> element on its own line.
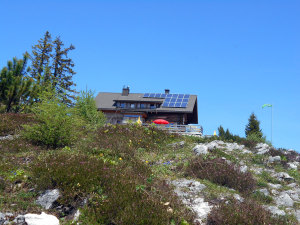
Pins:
<point x="124" y="174"/>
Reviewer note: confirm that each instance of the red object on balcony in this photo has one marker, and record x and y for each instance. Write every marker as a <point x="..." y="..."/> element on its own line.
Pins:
<point x="160" y="121"/>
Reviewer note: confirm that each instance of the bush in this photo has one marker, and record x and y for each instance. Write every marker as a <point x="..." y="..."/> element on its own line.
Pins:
<point x="57" y="125"/>
<point x="247" y="213"/>
<point x="116" y="192"/>
<point x="11" y="123"/>
<point x="86" y="108"/>
<point x="220" y="172"/>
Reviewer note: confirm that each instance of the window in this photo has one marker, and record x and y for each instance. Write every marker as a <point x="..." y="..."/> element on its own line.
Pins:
<point x="143" y="106"/>
<point x="132" y="106"/>
<point x="122" y="105"/>
<point x="152" y="106"/>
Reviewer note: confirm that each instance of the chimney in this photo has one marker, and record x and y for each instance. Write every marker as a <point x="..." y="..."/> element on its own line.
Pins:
<point x="125" y="91"/>
<point x="167" y="91"/>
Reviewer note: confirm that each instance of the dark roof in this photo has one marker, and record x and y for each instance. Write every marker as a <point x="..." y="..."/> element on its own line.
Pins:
<point x="106" y="100"/>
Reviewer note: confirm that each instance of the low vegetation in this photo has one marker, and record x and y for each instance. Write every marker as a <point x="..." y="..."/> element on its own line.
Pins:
<point x="119" y="174"/>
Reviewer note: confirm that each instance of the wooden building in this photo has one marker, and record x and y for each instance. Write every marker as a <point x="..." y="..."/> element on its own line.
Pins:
<point x="123" y="107"/>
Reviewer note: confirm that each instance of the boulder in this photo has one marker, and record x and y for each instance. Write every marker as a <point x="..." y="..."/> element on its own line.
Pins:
<point x="200" y="149"/>
<point x="264" y="191"/>
<point x="262" y="148"/>
<point x="274" y="186"/>
<point x="188" y="191"/>
<point x="275" y="210"/>
<point x="284" y="200"/>
<point x="293" y="165"/>
<point x="274" y="159"/>
<point x="283" y="176"/>
<point x="43" y="219"/>
<point x="238" y="197"/>
<point x="47" y="199"/>
<point x="244" y="169"/>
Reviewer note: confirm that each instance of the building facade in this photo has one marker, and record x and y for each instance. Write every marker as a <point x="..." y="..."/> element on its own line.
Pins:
<point x="123" y="107"/>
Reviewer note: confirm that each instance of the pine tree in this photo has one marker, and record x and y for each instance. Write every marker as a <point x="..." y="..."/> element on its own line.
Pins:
<point x="62" y="70"/>
<point x="221" y="132"/>
<point x="253" y="127"/>
<point x="15" y="85"/>
<point x="41" y="56"/>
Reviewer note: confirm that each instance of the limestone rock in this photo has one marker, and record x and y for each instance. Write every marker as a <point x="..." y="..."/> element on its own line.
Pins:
<point x="264" y="191"/>
<point x="262" y="148"/>
<point x="200" y="149"/>
<point x="283" y="176"/>
<point x="48" y="198"/>
<point x="274" y="159"/>
<point x="43" y="219"/>
<point x="244" y="169"/>
<point x="284" y="200"/>
<point x="293" y="165"/>
<point x="188" y="191"/>
<point x="274" y="186"/>
<point x="275" y="210"/>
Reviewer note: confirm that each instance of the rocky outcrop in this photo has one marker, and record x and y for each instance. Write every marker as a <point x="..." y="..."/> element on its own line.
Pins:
<point x="190" y="193"/>
<point x="47" y="199"/>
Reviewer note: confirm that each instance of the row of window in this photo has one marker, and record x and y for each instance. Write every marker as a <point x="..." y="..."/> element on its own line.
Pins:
<point x="129" y="105"/>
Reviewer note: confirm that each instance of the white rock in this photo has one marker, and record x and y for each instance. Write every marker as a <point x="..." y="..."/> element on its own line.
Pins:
<point x="292" y="185"/>
<point x="200" y="149"/>
<point x="264" y="191"/>
<point x="293" y="194"/>
<point x="284" y="200"/>
<point x="43" y="219"/>
<point x="275" y="186"/>
<point x="244" y="169"/>
<point x="188" y="191"/>
<point x="201" y="208"/>
<point x="238" y="197"/>
<point x="76" y="216"/>
<point x="275" y="210"/>
<point x="48" y="198"/>
<point x="297" y="214"/>
<point x="292" y="165"/>
<point x="283" y="176"/>
<point x="274" y="159"/>
<point x="262" y="148"/>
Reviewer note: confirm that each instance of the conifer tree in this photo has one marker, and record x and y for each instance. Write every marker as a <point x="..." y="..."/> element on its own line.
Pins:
<point x="252" y="128"/>
<point x="15" y="85"/>
<point x="221" y="132"/>
<point x="40" y="58"/>
<point x="62" y="70"/>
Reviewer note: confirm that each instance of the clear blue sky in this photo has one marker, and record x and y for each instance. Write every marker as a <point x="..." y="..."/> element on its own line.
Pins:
<point x="235" y="55"/>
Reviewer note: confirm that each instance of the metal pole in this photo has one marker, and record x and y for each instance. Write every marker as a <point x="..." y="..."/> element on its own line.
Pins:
<point x="272" y="124"/>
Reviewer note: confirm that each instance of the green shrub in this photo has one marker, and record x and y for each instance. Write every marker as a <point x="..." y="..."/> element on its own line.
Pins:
<point x="256" y="137"/>
<point x="86" y="108"/>
<point x="247" y="213"/>
<point x="220" y="172"/>
<point x="57" y="124"/>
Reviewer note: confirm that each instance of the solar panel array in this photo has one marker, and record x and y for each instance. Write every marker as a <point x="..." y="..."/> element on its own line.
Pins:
<point x="154" y="95"/>
<point x="171" y="100"/>
<point x="176" y="101"/>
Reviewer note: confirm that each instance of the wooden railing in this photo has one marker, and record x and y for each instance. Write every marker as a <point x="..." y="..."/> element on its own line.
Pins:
<point x="182" y="129"/>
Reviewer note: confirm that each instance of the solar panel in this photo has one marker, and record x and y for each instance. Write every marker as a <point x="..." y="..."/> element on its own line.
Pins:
<point x="176" y="100"/>
<point x="171" y="100"/>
